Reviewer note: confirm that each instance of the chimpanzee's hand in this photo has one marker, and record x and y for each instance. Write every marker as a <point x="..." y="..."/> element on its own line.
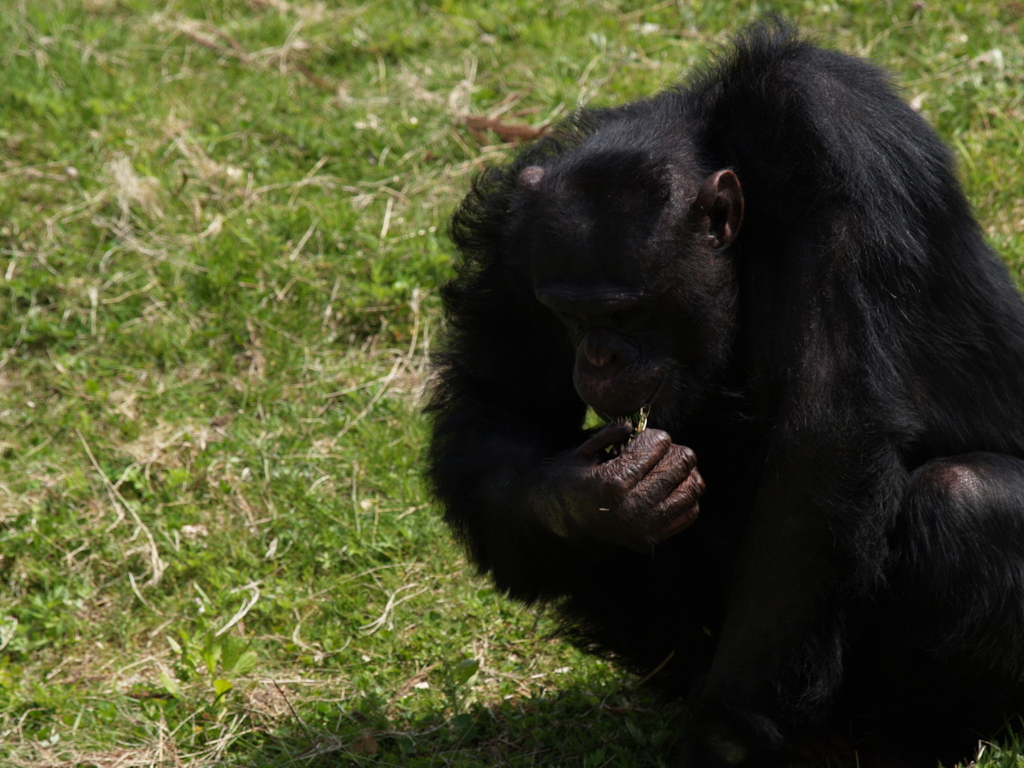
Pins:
<point x="636" y="499"/>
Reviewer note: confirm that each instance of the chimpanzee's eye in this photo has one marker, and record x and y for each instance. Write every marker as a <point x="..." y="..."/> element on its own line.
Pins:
<point x="631" y="317"/>
<point x="572" y="323"/>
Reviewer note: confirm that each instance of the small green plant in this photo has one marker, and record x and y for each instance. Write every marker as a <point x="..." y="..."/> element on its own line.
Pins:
<point x="458" y="684"/>
<point x="219" y="660"/>
<point x="459" y="679"/>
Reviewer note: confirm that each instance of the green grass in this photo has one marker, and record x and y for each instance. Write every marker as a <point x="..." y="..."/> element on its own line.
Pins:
<point x="221" y="235"/>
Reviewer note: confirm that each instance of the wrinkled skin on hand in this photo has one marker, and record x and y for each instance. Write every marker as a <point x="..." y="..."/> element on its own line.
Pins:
<point x="637" y="499"/>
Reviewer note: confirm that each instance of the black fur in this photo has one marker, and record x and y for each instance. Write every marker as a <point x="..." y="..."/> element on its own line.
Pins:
<point x="856" y="405"/>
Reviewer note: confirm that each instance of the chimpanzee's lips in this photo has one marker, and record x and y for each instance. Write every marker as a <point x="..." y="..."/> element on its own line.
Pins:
<point x="624" y="414"/>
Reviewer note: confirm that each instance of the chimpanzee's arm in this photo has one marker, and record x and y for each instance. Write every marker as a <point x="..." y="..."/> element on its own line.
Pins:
<point x="534" y="495"/>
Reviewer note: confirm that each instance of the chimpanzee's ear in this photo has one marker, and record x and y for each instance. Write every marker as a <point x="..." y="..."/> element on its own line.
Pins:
<point x="719" y="204"/>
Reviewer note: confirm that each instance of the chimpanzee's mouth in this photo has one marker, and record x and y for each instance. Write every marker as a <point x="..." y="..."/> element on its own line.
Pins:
<point x="634" y="415"/>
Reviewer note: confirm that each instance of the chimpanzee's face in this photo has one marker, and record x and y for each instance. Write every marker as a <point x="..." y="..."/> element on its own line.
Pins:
<point x="632" y="263"/>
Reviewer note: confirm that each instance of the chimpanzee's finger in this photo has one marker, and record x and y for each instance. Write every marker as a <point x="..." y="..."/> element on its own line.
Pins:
<point x="611" y="435"/>
<point x="679" y="510"/>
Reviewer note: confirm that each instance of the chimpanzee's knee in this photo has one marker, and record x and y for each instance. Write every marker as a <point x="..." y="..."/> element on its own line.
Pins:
<point x="957" y="577"/>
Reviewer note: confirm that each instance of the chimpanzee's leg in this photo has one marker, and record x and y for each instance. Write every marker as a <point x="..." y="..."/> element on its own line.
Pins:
<point x="928" y="664"/>
<point x="949" y="661"/>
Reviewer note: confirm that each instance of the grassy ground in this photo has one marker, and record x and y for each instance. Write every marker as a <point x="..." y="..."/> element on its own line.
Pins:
<point x="221" y="234"/>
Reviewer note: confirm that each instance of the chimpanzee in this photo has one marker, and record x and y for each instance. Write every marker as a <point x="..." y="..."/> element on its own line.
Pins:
<point x="775" y="263"/>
